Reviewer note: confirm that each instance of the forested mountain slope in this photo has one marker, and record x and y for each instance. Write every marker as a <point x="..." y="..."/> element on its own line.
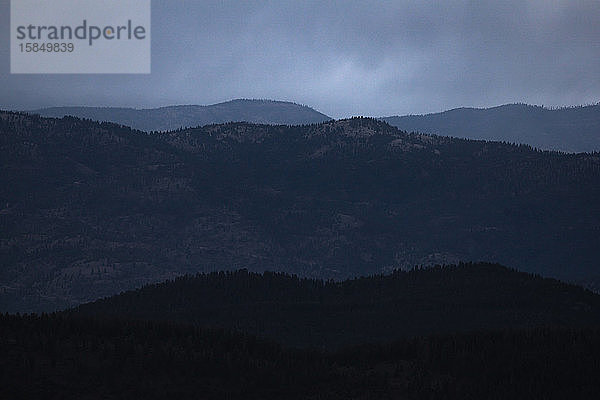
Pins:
<point x="378" y="309"/>
<point x="89" y="209"/>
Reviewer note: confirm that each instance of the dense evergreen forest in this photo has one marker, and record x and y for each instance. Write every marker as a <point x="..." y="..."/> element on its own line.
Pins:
<point x="58" y="357"/>
<point x="328" y="340"/>
<point x="91" y="209"/>
<point x="315" y="313"/>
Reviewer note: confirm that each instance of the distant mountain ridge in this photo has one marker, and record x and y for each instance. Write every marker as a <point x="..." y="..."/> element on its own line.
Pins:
<point x="185" y="116"/>
<point x="571" y="129"/>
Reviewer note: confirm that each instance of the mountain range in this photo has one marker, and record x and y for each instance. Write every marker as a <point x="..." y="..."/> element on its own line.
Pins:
<point x="91" y="209"/>
<point x="571" y="129"/>
<point x="184" y="116"/>
<point x="345" y="209"/>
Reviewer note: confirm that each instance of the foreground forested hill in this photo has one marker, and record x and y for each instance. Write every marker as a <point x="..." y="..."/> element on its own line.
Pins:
<point x="88" y="209"/>
<point x="303" y="312"/>
<point x="194" y="338"/>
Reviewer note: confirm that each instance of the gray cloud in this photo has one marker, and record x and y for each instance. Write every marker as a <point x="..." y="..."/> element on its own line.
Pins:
<point x="345" y="57"/>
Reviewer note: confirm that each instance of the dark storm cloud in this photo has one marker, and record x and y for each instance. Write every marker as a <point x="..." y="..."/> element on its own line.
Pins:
<point x="346" y="58"/>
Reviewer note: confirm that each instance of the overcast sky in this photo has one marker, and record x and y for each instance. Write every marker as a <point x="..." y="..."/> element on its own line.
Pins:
<point x="344" y="57"/>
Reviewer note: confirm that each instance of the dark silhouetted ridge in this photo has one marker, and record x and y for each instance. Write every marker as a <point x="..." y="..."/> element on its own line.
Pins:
<point x="294" y="311"/>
